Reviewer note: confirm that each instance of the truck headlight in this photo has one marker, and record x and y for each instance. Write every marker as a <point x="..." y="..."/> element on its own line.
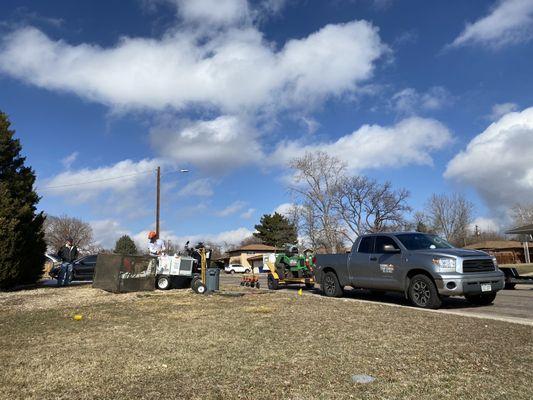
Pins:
<point x="444" y="264"/>
<point x="495" y="261"/>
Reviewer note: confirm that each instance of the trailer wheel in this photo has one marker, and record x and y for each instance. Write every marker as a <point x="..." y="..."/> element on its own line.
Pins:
<point x="331" y="286"/>
<point x="483" y="299"/>
<point x="199" y="287"/>
<point x="423" y="292"/>
<point x="273" y="283"/>
<point x="163" y="282"/>
<point x="257" y="285"/>
<point x="509" y="286"/>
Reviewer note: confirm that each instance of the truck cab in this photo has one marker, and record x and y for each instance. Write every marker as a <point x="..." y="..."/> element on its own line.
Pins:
<point x="423" y="266"/>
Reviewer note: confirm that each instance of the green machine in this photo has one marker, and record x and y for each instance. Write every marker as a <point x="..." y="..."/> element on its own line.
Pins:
<point x="291" y="267"/>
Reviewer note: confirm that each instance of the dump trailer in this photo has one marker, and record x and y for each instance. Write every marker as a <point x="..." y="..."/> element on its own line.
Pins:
<point x="291" y="268"/>
<point x="513" y="277"/>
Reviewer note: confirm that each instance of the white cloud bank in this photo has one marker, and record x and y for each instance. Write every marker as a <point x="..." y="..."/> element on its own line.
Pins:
<point x="218" y="145"/>
<point x="509" y="22"/>
<point x="410" y="141"/>
<point x="498" y="162"/>
<point x="234" y="70"/>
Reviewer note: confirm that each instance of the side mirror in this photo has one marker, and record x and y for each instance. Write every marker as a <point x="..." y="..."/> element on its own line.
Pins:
<point x="389" y="248"/>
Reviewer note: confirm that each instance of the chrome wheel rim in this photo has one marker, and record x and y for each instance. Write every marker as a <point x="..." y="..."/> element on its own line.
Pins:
<point x="163" y="283"/>
<point x="421" y="293"/>
<point x="329" y="285"/>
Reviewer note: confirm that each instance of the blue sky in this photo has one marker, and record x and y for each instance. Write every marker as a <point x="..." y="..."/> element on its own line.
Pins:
<point x="433" y="96"/>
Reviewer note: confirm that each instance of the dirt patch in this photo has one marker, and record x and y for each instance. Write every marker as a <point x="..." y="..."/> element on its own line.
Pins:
<point x="180" y="345"/>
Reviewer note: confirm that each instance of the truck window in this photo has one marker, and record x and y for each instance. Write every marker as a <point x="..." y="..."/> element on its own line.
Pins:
<point x="381" y="241"/>
<point x="366" y="245"/>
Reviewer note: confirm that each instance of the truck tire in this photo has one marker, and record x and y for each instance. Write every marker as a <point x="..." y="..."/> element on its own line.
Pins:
<point x="272" y="283"/>
<point x="483" y="299"/>
<point x="331" y="286"/>
<point x="423" y="292"/>
<point x="163" y="282"/>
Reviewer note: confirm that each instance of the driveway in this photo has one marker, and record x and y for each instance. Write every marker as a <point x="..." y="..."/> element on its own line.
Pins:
<point x="510" y="305"/>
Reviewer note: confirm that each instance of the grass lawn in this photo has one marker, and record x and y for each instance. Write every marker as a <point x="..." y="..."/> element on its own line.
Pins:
<point x="259" y="346"/>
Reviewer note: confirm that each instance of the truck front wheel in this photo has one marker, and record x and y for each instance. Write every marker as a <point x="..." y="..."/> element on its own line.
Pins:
<point x="481" y="299"/>
<point x="331" y="286"/>
<point x="423" y="292"/>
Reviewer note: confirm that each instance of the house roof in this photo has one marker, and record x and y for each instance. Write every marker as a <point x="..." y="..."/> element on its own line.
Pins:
<point x="255" y="247"/>
<point x="526" y="229"/>
<point x="495" y="245"/>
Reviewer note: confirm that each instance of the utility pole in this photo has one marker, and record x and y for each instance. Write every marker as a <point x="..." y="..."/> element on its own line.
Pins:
<point x="158" y="198"/>
<point x="158" y="201"/>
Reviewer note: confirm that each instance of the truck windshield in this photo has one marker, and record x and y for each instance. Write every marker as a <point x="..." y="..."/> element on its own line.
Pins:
<point x="422" y="241"/>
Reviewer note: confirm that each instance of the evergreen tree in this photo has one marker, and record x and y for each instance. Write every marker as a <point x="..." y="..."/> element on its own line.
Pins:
<point x="22" y="245"/>
<point x="276" y="230"/>
<point x="125" y="246"/>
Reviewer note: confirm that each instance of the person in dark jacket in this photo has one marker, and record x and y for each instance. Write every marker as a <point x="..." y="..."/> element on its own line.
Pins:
<point x="67" y="254"/>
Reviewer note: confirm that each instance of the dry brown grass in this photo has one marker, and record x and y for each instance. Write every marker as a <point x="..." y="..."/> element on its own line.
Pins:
<point x="277" y="345"/>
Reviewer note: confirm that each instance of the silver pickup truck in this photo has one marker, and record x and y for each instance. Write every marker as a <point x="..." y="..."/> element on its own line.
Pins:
<point x="422" y="266"/>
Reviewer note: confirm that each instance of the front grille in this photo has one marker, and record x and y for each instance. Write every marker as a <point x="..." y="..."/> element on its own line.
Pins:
<point x="478" y="265"/>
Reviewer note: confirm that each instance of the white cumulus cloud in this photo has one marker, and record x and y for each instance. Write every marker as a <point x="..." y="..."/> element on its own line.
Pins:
<point x="218" y="145"/>
<point x="498" y="162"/>
<point x="233" y="70"/>
<point x="410" y="141"/>
<point x="509" y="22"/>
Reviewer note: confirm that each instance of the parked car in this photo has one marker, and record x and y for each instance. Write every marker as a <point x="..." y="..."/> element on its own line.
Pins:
<point x="232" y="268"/>
<point x="424" y="267"/>
<point x="82" y="269"/>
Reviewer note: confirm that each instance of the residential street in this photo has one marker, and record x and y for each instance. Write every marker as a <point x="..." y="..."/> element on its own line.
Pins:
<point x="510" y="305"/>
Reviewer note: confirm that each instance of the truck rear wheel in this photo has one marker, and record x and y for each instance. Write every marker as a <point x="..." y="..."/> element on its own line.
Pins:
<point x="423" y="292"/>
<point x="483" y="299"/>
<point x="331" y="286"/>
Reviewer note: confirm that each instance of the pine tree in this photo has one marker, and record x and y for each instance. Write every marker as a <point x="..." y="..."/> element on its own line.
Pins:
<point x="276" y="230"/>
<point x="125" y="246"/>
<point x="22" y="245"/>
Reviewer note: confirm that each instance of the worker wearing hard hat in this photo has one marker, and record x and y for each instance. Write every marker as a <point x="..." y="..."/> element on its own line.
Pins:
<point x="155" y="245"/>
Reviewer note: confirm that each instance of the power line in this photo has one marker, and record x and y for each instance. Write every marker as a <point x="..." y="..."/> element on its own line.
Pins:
<point x="110" y="179"/>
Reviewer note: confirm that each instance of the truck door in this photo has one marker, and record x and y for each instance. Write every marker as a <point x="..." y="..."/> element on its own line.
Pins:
<point x="386" y="266"/>
<point x="360" y="266"/>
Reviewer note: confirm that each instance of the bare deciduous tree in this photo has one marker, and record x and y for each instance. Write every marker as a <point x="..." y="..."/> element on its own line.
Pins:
<point x="59" y="229"/>
<point x="317" y="179"/>
<point x="522" y="214"/>
<point x="450" y="216"/>
<point x="366" y="206"/>
<point x="336" y="206"/>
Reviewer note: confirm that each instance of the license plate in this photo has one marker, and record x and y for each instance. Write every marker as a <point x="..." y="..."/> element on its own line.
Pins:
<point x="486" y="287"/>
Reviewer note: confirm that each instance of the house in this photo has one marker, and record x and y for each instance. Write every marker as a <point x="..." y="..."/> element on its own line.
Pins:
<point x="251" y="256"/>
<point x="505" y="251"/>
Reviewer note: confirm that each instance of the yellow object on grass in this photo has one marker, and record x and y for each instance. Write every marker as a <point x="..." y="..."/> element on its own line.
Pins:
<point x="300" y="291"/>
<point x="78" y="317"/>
